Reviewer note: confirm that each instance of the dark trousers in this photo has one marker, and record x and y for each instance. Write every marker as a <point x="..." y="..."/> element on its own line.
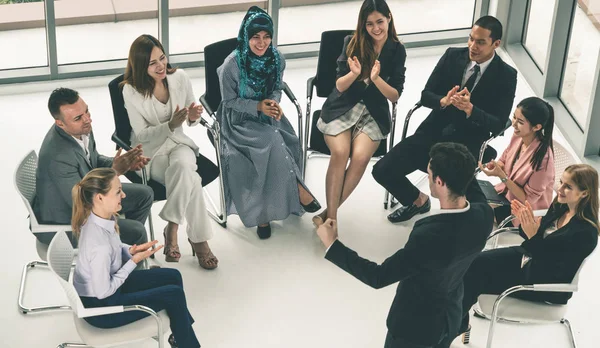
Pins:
<point x="393" y="342"/>
<point x="136" y="208"/>
<point x="407" y="156"/>
<point x="158" y="288"/>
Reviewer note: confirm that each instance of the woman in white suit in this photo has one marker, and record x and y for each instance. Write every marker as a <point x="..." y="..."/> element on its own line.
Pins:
<point x="159" y="100"/>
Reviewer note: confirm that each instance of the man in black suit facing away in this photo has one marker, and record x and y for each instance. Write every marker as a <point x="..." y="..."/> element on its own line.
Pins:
<point x="471" y="92"/>
<point x="427" y="309"/>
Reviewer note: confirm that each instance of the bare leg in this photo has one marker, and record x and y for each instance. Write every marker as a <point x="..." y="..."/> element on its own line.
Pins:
<point x="339" y="146"/>
<point x="363" y="149"/>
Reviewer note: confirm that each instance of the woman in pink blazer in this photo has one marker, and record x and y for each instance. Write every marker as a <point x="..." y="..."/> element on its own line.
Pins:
<point x="526" y="167"/>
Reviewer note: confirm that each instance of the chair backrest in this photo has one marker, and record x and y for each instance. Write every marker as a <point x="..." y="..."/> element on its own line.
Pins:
<point x="25" y="182"/>
<point x="60" y="259"/>
<point x="330" y="49"/>
<point x="121" y="117"/>
<point x="562" y="159"/>
<point x="575" y="280"/>
<point x="214" y="56"/>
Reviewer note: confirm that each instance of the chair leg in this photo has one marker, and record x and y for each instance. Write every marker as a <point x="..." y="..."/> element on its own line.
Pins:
<point x="571" y="334"/>
<point x="67" y="344"/>
<point x="22" y="307"/>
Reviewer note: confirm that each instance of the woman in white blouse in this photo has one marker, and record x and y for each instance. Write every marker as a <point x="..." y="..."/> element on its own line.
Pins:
<point x="104" y="272"/>
<point x="159" y="100"/>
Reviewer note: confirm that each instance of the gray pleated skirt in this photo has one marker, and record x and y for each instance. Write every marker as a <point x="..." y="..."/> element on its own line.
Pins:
<point x="357" y="118"/>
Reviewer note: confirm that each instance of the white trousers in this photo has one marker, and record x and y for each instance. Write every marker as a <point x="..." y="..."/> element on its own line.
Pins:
<point x="176" y="169"/>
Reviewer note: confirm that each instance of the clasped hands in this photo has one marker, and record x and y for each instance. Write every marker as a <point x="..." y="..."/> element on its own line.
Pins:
<point x="133" y="159"/>
<point x="143" y="251"/>
<point x="191" y="113"/>
<point x="356" y="68"/>
<point x="460" y="99"/>
<point x="529" y="223"/>
<point x="493" y="168"/>
<point x="270" y="108"/>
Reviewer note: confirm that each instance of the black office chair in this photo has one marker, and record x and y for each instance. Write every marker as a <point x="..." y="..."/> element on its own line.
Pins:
<point x="215" y="55"/>
<point x="122" y="137"/>
<point x="486" y="152"/>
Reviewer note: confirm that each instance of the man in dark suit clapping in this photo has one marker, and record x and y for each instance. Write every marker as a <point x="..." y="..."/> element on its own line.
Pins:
<point x="427" y="309"/>
<point x="471" y="92"/>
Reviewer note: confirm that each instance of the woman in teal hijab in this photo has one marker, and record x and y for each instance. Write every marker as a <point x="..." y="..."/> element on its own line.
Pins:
<point x="260" y="151"/>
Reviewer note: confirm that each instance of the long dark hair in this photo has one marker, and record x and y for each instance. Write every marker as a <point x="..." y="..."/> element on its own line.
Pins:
<point x="361" y="44"/>
<point x="537" y="111"/>
<point x="136" y="73"/>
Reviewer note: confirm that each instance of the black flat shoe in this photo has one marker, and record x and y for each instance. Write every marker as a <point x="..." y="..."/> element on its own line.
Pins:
<point x="263" y="232"/>
<point x="311" y="207"/>
<point x="406" y="213"/>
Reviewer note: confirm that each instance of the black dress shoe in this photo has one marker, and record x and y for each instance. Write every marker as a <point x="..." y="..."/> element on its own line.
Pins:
<point x="311" y="207"/>
<point x="263" y="232"/>
<point x="406" y="213"/>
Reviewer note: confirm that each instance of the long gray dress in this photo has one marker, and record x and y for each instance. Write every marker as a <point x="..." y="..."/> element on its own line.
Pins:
<point x="261" y="157"/>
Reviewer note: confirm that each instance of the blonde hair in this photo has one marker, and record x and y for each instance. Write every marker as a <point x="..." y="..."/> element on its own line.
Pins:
<point x="97" y="181"/>
<point x="586" y="179"/>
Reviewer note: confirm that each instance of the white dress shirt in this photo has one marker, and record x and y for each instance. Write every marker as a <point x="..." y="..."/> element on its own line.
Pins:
<point x="84" y="142"/>
<point x="482" y="68"/>
<point x="103" y="262"/>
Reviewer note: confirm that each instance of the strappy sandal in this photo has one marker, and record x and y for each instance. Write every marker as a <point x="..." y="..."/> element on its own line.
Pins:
<point x="172" y="341"/>
<point x="206" y="260"/>
<point x="172" y="253"/>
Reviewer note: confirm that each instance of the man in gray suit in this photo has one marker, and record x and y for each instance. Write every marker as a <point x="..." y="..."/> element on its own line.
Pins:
<point x="67" y="154"/>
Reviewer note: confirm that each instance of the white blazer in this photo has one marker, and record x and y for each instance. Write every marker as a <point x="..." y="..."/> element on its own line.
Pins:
<point x="147" y="130"/>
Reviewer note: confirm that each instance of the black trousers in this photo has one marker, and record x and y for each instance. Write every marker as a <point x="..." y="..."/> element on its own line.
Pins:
<point x="407" y="156"/>
<point x="396" y="342"/>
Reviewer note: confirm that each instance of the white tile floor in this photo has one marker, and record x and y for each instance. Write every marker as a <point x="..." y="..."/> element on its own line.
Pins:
<point x="265" y="294"/>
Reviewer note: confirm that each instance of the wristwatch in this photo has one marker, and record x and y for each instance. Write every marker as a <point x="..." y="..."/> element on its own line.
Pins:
<point x="505" y="179"/>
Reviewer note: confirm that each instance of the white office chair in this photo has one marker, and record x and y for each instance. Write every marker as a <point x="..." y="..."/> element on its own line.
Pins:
<point x="60" y="259"/>
<point x="507" y="236"/>
<point x="509" y="309"/>
<point x="25" y="185"/>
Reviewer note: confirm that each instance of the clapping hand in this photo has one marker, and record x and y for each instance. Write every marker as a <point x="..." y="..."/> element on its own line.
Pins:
<point x="194" y="111"/>
<point x="178" y="117"/>
<point x="328" y="232"/>
<point x="447" y="99"/>
<point x="529" y="223"/>
<point x="493" y="168"/>
<point x="143" y="251"/>
<point x="375" y="71"/>
<point x="129" y="160"/>
<point x="462" y="101"/>
<point x="354" y="65"/>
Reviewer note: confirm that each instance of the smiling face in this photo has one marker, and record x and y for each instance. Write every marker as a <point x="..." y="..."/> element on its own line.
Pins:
<point x="522" y="127"/>
<point x="377" y="26"/>
<point x="481" y="46"/>
<point x="259" y="43"/>
<point x="568" y="192"/>
<point x="111" y="201"/>
<point x="157" y="67"/>
<point x="75" y="119"/>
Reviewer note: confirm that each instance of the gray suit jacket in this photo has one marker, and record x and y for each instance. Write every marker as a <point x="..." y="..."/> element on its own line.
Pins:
<point x="62" y="163"/>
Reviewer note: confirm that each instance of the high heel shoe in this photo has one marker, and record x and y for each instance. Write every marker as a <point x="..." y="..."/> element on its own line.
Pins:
<point x="172" y="342"/>
<point x="311" y="207"/>
<point x="466" y="336"/>
<point x="172" y="253"/>
<point x="264" y="232"/>
<point x="208" y="260"/>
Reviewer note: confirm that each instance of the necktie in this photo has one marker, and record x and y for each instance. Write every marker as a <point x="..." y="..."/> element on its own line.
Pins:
<point x="471" y="81"/>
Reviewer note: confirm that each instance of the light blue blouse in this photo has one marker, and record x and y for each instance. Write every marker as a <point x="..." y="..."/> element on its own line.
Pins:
<point x="103" y="262"/>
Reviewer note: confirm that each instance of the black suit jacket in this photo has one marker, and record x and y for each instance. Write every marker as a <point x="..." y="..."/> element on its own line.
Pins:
<point x="556" y="258"/>
<point x="392" y="59"/>
<point x="430" y="269"/>
<point x="492" y="100"/>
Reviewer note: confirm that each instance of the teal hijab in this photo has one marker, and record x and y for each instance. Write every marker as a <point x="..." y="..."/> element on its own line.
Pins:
<point x="261" y="74"/>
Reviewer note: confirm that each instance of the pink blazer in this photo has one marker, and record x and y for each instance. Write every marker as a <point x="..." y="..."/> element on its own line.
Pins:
<point x="538" y="185"/>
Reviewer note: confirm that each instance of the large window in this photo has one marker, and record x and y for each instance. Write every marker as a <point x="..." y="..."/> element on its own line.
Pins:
<point x="22" y="34"/>
<point x="304" y="20"/>
<point x="194" y="24"/>
<point x="536" y="37"/>
<point x="91" y="30"/>
<point x="580" y="65"/>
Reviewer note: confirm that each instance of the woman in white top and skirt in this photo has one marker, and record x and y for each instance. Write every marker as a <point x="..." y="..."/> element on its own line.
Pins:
<point x="104" y="272"/>
<point x="159" y="100"/>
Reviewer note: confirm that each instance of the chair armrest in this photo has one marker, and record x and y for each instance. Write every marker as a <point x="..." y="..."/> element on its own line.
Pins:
<point x="407" y="118"/>
<point x="288" y="92"/>
<point x="310" y="84"/>
<point x="115" y="138"/>
<point x="503" y="230"/>
<point x="555" y="287"/>
<point x="97" y="311"/>
<point x="50" y="228"/>
<point x="207" y="107"/>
